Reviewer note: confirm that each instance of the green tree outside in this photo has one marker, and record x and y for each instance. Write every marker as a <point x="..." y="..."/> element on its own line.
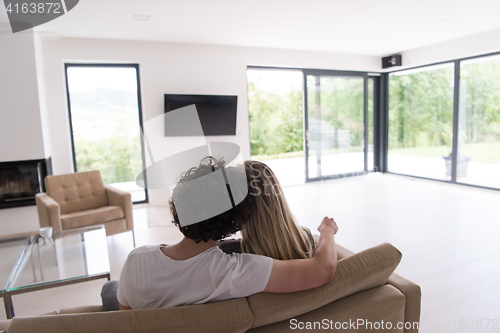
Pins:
<point x="103" y="121"/>
<point x="275" y="121"/>
<point x="421" y="112"/>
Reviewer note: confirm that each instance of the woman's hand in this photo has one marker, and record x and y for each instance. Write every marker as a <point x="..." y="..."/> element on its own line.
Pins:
<point x="328" y="223"/>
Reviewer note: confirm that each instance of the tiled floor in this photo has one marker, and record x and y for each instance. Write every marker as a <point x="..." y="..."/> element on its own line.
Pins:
<point x="448" y="235"/>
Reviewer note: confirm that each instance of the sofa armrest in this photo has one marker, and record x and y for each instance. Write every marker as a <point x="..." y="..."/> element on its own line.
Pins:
<point x="409" y="289"/>
<point x="412" y="299"/>
<point x="362" y="271"/>
<point x="123" y="199"/>
<point x="342" y="252"/>
<point x="49" y="212"/>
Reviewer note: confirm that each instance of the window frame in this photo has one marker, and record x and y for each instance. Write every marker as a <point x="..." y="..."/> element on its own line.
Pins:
<point x="384" y="96"/>
<point x="139" y="107"/>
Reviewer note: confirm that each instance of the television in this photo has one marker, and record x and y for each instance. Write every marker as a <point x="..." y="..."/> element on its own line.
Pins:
<point x="217" y="113"/>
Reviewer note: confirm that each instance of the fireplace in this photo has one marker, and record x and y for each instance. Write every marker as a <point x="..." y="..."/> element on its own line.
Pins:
<point x="21" y="180"/>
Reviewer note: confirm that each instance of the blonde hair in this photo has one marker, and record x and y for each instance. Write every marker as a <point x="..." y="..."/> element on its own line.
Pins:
<point x="271" y="229"/>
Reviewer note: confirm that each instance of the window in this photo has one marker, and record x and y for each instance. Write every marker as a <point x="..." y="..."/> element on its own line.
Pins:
<point x="478" y="160"/>
<point x="104" y="113"/>
<point x="276" y="128"/>
<point x="421" y="122"/>
<point x="370" y="120"/>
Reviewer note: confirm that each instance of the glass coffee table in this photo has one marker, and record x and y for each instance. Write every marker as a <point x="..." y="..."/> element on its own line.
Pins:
<point x="30" y="264"/>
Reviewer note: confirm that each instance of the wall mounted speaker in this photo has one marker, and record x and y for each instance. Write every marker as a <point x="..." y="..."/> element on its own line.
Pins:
<point x="391" y="61"/>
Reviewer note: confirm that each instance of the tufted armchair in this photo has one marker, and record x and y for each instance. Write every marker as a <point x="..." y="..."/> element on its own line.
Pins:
<point x="81" y="199"/>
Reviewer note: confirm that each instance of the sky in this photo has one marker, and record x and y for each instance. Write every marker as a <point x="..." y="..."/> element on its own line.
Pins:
<point x="83" y="79"/>
<point x="280" y="81"/>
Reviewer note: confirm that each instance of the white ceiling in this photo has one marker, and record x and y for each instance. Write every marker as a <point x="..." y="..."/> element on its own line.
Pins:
<point x="370" y="27"/>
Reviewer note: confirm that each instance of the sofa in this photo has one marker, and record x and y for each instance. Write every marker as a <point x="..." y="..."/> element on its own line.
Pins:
<point x="364" y="294"/>
<point x="81" y="199"/>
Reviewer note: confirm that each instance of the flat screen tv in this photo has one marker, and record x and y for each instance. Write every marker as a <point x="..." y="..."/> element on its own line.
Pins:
<point x="217" y="113"/>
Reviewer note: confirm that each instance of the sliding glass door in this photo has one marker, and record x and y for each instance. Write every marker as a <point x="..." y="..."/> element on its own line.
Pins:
<point x="478" y="158"/>
<point x="336" y="125"/>
<point x="310" y="125"/>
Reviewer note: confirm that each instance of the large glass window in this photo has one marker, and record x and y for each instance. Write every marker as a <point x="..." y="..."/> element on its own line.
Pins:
<point x="104" y="108"/>
<point x="421" y="122"/>
<point x="478" y="160"/>
<point x="275" y="111"/>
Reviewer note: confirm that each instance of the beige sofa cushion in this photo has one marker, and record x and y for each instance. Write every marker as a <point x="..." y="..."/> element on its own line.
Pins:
<point x="82" y="309"/>
<point x="364" y="270"/>
<point x="382" y="303"/>
<point x="92" y="216"/>
<point x="77" y="191"/>
<point x="230" y="316"/>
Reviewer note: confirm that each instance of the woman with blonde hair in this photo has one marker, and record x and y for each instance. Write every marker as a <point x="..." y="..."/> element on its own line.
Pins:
<point x="271" y="229"/>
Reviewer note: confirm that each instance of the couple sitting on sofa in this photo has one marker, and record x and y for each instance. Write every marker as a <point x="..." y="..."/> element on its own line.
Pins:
<point x="277" y="256"/>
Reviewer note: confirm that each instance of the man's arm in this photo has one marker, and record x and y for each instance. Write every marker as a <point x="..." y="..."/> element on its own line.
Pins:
<point x="302" y="274"/>
<point x="123" y="307"/>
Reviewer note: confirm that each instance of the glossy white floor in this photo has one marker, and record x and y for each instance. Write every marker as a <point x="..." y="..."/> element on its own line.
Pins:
<point x="448" y="235"/>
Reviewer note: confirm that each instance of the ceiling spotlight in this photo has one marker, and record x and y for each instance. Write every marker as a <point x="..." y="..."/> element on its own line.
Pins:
<point x="143" y="18"/>
<point x="436" y="21"/>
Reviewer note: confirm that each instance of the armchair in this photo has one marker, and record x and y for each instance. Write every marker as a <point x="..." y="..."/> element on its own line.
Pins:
<point x="81" y="199"/>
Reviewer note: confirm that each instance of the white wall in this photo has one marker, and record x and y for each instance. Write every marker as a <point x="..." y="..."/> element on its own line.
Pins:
<point x="21" y="133"/>
<point x="176" y="69"/>
<point x="473" y="45"/>
<point x="20" y="126"/>
<point x="44" y="112"/>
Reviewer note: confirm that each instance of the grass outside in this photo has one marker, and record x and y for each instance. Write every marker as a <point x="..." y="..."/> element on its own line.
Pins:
<point x="301" y="153"/>
<point x="278" y="156"/>
<point x="486" y="152"/>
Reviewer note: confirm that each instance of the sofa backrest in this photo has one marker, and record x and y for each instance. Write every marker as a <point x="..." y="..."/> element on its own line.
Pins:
<point x="362" y="271"/>
<point x="230" y="316"/>
<point x="77" y="191"/>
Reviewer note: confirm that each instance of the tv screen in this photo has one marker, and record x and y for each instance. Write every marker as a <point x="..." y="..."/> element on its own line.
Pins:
<point x="217" y="113"/>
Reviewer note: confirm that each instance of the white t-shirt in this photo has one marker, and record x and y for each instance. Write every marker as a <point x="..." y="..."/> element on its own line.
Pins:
<point x="150" y="279"/>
